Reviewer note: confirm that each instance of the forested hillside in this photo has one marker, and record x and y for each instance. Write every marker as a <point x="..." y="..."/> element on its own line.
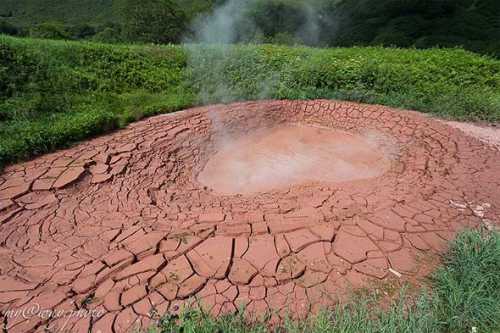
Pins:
<point x="472" y="24"/>
<point x="31" y="12"/>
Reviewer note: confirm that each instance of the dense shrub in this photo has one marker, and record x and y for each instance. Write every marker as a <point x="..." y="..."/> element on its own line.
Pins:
<point x="8" y="28"/>
<point x="452" y="83"/>
<point x="431" y="23"/>
<point x="108" y="35"/>
<point x="53" y="93"/>
<point x="158" y="21"/>
<point x="281" y="20"/>
<point x="50" y="30"/>
<point x="82" y="31"/>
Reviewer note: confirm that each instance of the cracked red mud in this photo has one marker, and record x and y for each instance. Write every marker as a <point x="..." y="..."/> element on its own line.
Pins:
<point x="130" y="225"/>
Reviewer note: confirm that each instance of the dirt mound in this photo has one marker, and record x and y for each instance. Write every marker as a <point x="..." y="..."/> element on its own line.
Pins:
<point x="136" y="223"/>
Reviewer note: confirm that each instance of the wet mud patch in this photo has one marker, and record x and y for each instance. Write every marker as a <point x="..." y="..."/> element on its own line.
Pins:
<point x="289" y="155"/>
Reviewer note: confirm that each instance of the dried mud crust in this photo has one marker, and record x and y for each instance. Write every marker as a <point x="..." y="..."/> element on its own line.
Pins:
<point x="120" y="225"/>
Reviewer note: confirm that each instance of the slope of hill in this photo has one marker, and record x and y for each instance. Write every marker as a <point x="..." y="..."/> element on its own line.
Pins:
<point x="71" y="12"/>
<point x="472" y="24"/>
<point x="30" y="12"/>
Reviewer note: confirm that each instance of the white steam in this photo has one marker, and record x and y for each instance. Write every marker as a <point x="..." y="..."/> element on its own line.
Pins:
<point x="234" y="22"/>
<point x="209" y="46"/>
<point x="219" y="27"/>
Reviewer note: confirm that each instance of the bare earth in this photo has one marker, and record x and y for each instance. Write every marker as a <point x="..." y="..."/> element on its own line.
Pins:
<point x="142" y="221"/>
<point x="489" y="135"/>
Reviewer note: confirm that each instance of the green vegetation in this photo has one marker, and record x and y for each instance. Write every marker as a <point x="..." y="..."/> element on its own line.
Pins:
<point x="450" y="83"/>
<point x="159" y="21"/>
<point x="471" y="24"/>
<point x="53" y="93"/>
<point x="363" y="315"/>
<point x="468" y="286"/>
<point x="465" y="294"/>
<point x="27" y="13"/>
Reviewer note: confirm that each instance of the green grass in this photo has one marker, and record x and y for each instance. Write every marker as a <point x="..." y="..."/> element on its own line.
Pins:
<point x="451" y="83"/>
<point x="468" y="286"/>
<point x="465" y="293"/>
<point x="55" y="93"/>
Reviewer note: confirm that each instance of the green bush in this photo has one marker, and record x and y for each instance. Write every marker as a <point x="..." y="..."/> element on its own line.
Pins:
<point x="283" y="38"/>
<point x="471" y="24"/>
<point x="50" y="30"/>
<point x="82" y="31"/>
<point x="8" y="28"/>
<point x="451" y="83"/>
<point x="108" y="35"/>
<point x="158" y="21"/>
<point x="53" y="93"/>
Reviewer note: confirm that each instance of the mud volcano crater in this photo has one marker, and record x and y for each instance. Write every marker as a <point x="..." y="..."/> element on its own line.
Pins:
<point x="277" y="205"/>
<point x="288" y="155"/>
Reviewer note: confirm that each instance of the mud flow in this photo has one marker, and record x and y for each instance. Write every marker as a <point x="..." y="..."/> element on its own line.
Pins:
<point x="288" y="155"/>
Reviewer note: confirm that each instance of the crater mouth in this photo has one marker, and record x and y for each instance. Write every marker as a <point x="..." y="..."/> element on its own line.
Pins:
<point x="293" y="154"/>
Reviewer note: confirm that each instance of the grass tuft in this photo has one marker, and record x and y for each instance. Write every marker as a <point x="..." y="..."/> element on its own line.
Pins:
<point x="468" y="285"/>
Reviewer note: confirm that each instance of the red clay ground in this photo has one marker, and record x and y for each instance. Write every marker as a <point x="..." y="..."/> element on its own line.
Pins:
<point x="121" y="226"/>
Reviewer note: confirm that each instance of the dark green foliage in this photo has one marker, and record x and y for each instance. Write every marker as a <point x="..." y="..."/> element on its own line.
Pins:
<point x="82" y="31"/>
<point x="275" y="17"/>
<point x="471" y="24"/>
<point x="49" y="30"/>
<point x="8" y="28"/>
<point x="27" y="13"/>
<point x="109" y="33"/>
<point x="159" y="21"/>
<point x="53" y="93"/>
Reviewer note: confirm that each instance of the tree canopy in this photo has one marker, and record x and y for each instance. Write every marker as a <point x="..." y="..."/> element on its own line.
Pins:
<point x="472" y="24"/>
